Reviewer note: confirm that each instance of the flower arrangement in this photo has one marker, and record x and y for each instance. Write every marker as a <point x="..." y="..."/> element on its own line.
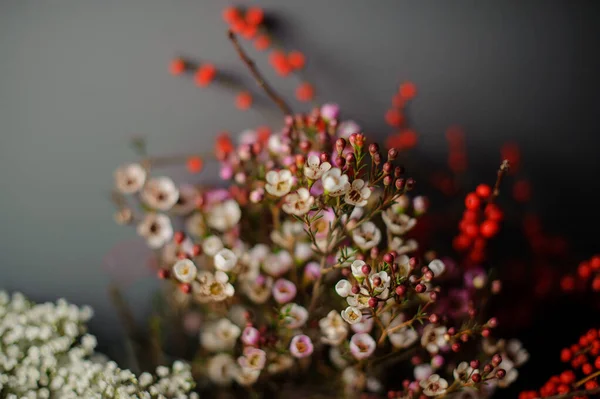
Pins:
<point x="45" y="352"/>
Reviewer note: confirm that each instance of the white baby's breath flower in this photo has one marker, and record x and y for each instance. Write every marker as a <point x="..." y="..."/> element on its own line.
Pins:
<point x="437" y="267"/>
<point x="343" y="288"/>
<point x="298" y="203"/>
<point x="185" y="270"/>
<point x="366" y="236"/>
<point x="130" y="178"/>
<point x="279" y="183"/>
<point x="224" y="216"/>
<point x="333" y="328"/>
<point x="314" y="168"/>
<point x="225" y="260"/>
<point x="358" y="194"/>
<point x="352" y="315"/>
<point x="160" y="193"/>
<point x="335" y="183"/>
<point x="277" y="264"/>
<point x="357" y="269"/>
<point x="212" y="245"/>
<point x="434" y="385"/>
<point x="156" y="229"/>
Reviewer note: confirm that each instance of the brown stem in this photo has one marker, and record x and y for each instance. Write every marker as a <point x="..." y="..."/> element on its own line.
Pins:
<point x="317" y="287"/>
<point x="501" y="173"/>
<point x="586" y="379"/>
<point x="285" y="108"/>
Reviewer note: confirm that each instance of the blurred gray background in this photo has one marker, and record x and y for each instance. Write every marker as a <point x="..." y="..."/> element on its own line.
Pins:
<point x="79" y="78"/>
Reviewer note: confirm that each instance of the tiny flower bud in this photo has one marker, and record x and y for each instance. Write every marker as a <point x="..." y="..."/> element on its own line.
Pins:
<point x="288" y="120"/>
<point x="485" y="332"/>
<point x="400" y="184"/>
<point x="350" y="158"/>
<point x="185" y="288"/>
<point x="377" y="158"/>
<point x="420" y="288"/>
<point x="392" y="154"/>
<point x="387" y="168"/>
<point x="488" y="368"/>
<point x="178" y="237"/>
<point x="496" y="360"/>
<point x="340" y="144"/>
<point x="464" y="338"/>
<point x="324" y="157"/>
<point x="428" y="275"/>
<point x="398" y="171"/>
<point x="474" y="364"/>
<point x="496" y="286"/>
<point x="413" y="262"/>
<point x="305" y="146"/>
<point x="293" y="168"/>
<point x="455" y="347"/>
<point x="256" y="148"/>
<point x="388" y="258"/>
<point x="346" y="272"/>
<point x="340" y="162"/>
<point x="352" y="138"/>
<point x="400" y="290"/>
<point x="451" y="331"/>
<point x="163" y="274"/>
<point x="374" y="252"/>
<point x="476" y="377"/>
<point x="377" y="281"/>
<point x="500" y="374"/>
<point x="493" y="322"/>
<point x="434" y="318"/>
<point x="366" y="269"/>
<point x="196" y="250"/>
<point x="387" y="181"/>
<point x="373" y="302"/>
<point x="355" y="289"/>
<point x="373" y="148"/>
<point x="300" y="160"/>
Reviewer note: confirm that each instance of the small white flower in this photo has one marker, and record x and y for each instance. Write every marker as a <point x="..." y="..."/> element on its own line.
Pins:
<point x="160" y="193"/>
<point x="352" y="315"/>
<point x="185" y="270"/>
<point x="186" y="202"/>
<point x="211" y="287"/>
<point x="225" y="260"/>
<point x="130" y="178"/>
<point x="291" y="232"/>
<point x="403" y="338"/>
<point x="432" y="338"/>
<point x="358" y="194"/>
<point x="195" y="225"/>
<point x="362" y="345"/>
<point x="357" y="271"/>
<point x="298" y="203"/>
<point x="314" y="169"/>
<point x="220" y="369"/>
<point x="343" y="288"/>
<point x="383" y="279"/>
<point x="224" y="216"/>
<point x="360" y="300"/>
<point x="397" y="221"/>
<point x="253" y="359"/>
<point x="464" y="371"/>
<point x="258" y="291"/>
<point x="422" y="371"/>
<point x="434" y="385"/>
<point x="212" y="245"/>
<point x="278" y="263"/>
<point x="518" y="354"/>
<point x="366" y="236"/>
<point x="364" y="326"/>
<point x="279" y="364"/>
<point x="156" y="229"/>
<point x="333" y="328"/>
<point x="220" y="335"/>
<point x="245" y="376"/>
<point x="337" y="358"/>
<point x="279" y="183"/>
<point x="401" y="247"/>
<point x="335" y="183"/>
<point x="437" y="267"/>
<point x="294" y="315"/>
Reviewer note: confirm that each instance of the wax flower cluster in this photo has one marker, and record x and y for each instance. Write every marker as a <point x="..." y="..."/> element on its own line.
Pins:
<point x="45" y="352"/>
<point x="307" y="258"/>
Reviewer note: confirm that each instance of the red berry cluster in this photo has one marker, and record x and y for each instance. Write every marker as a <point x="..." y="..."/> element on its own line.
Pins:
<point x="479" y="223"/>
<point x="405" y="138"/>
<point x="246" y="23"/>
<point x="588" y="274"/>
<point x="584" y="359"/>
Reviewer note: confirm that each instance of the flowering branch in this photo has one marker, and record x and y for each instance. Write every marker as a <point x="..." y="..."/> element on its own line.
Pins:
<point x="501" y="173"/>
<point x="285" y="108"/>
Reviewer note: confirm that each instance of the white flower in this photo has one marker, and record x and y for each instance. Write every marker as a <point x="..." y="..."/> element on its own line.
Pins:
<point x="383" y="279"/>
<point x="291" y="232"/>
<point x="359" y="193"/>
<point x="402" y="247"/>
<point x="160" y="193"/>
<point x="366" y="236"/>
<point x="335" y="183"/>
<point x="156" y="229"/>
<point x="343" y="288"/>
<point x="298" y="203"/>
<point x="434" y="385"/>
<point x="185" y="270"/>
<point x="464" y="371"/>
<point x="253" y="359"/>
<point x="360" y="300"/>
<point x="245" y="376"/>
<point x="130" y="178"/>
<point x="294" y="315"/>
<point x="403" y="338"/>
<point x="212" y="245"/>
<point x="195" y="225"/>
<point x="357" y="270"/>
<point x="278" y="263"/>
<point x="220" y="369"/>
<point x="279" y="183"/>
<point x="280" y="363"/>
<point x="362" y="345"/>
<point x="511" y="372"/>
<point x="225" y="260"/>
<point x="365" y="325"/>
<point x="220" y="335"/>
<point x="186" y="202"/>
<point x="314" y="169"/>
<point x="422" y="371"/>
<point x="337" y="358"/>
<point x="259" y="290"/>
<point x="432" y="338"/>
<point x="224" y="216"/>
<point x="352" y="314"/>
<point x="518" y="354"/>
<point x="397" y="221"/>
<point x="437" y="267"/>
<point x="333" y="328"/>
<point x="211" y="287"/>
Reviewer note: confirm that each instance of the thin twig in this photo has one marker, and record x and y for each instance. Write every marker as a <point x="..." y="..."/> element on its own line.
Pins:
<point x="285" y="108"/>
<point x="501" y="173"/>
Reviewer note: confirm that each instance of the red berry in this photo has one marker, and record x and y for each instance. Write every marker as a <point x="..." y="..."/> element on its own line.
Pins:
<point x="305" y="92"/>
<point x="472" y="201"/>
<point x="196" y="250"/>
<point x="484" y="191"/>
<point x="262" y="42"/>
<point x="407" y="90"/>
<point x="255" y="16"/>
<point x="249" y="32"/>
<point x="243" y="101"/>
<point x="470" y="216"/>
<point x="595" y="262"/>
<point x="567" y="283"/>
<point x="231" y="14"/>
<point x="562" y="389"/>
<point x="472" y="230"/>
<point x="279" y="62"/>
<point x="596" y="284"/>
<point x="394" y="117"/>
<point x="163" y="274"/>
<point x="205" y="75"/>
<point x="177" y="66"/>
<point x="587" y="369"/>
<point x="194" y="164"/>
<point x="461" y="242"/>
<point x="489" y="229"/>
<point x="492" y="212"/>
<point x="296" y="59"/>
<point x="567" y="377"/>
<point x="589" y="385"/>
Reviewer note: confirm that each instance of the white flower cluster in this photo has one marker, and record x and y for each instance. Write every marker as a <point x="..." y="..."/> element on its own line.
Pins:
<point x="45" y="353"/>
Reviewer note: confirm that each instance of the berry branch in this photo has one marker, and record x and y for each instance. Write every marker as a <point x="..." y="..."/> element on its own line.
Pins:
<point x="285" y="108"/>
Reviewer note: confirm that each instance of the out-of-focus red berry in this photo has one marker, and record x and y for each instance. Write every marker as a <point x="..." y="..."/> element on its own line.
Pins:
<point x="407" y="90"/>
<point x="177" y="66"/>
<point x="566" y="355"/>
<point x="249" y="32"/>
<point x="280" y="63"/>
<point x="484" y="191"/>
<point x="489" y="228"/>
<point x="461" y="242"/>
<point x="394" y="117"/>
<point x="262" y="42"/>
<point x="194" y="164"/>
<point x="205" y="75"/>
<point x="255" y="16"/>
<point x="522" y="191"/>
<point x="296" y="59"/>
<point x="567" y="283"/>
<point x="243" y="100"/>
<point x="223" y="145"/>
<point x="231" y="14"/>
<point x="305" y="92"/>
<point x="472" y="201"/>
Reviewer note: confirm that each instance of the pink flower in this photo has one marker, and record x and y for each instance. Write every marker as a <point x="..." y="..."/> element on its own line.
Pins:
<point x="301" y="346"/>
<point x="250" y="336"/>
<point x="253" y="359"/>
<point x="330" y="111"/>
<point x="312" y="271"/>
<point x="362" y="345"/>
<point x="284" y="290"/>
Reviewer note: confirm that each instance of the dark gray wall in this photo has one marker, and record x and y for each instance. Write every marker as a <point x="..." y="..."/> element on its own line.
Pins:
<point x="79" y="77"/>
